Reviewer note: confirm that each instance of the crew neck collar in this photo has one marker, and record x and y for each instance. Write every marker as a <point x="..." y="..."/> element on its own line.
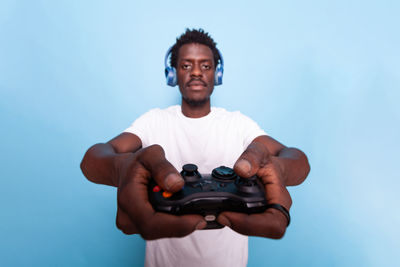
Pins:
<point x="209" y="115"/>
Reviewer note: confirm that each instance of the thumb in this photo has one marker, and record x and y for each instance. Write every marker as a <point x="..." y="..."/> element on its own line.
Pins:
<point x="161" y="170"/>
<point x="251" y="160"/>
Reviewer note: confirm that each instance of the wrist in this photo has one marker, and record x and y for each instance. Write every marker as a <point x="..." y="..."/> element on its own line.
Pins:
<point x="121" y="163"/>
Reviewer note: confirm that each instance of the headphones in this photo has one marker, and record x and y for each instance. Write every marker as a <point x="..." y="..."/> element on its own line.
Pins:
<point x="172" y="78"/>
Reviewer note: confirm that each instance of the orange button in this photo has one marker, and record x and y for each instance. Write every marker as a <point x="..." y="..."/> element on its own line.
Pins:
<point x="166" y="194"/>
<point x="156" y="189"/>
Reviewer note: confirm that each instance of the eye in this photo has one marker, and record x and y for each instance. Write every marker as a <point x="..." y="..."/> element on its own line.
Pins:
<point x="206" y="66"/>
<point x="186" y="66"/>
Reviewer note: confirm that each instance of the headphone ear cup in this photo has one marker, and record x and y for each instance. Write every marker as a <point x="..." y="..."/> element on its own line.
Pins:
<point x="170" y="74"/>
<point x="218" y="75"/>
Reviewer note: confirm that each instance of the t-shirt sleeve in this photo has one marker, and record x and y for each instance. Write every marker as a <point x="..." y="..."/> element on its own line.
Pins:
<point x="250" y="129"/>
<point x="142" y="126"/>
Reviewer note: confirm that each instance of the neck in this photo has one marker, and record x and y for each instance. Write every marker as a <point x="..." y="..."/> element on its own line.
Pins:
<point x="196" y="110"/>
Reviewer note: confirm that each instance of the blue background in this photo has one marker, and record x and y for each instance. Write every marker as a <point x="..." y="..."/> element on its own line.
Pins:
<point x="324" y="77"/>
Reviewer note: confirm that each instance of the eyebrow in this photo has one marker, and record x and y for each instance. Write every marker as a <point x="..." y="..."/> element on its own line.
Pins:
<point x="191" y="59"/>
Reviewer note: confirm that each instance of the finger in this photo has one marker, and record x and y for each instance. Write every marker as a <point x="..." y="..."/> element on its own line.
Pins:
<point x="153" y="225"/>
<point x="162" y="171"/>
<point x="270" y="173"/>
<point x="161" y="225"/>
<point x="277" y="193"/>
<point x="254" y="157"/>
<point x="124" y="223"/>
<point x="271" y="223"/>
<point x="133" y="200"/>
<point x="275" y="190"/>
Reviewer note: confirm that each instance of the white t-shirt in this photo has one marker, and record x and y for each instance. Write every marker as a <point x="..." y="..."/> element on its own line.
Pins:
<point x="209" y="142"/>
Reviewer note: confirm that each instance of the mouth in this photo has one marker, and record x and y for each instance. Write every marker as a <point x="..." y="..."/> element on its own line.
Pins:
<point x="196" y="83"/>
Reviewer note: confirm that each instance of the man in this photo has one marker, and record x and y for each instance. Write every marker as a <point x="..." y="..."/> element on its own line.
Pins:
<point x="161" y="141"/>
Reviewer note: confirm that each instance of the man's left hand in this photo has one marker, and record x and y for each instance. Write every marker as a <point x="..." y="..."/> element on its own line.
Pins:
<point x="256" y="160"/>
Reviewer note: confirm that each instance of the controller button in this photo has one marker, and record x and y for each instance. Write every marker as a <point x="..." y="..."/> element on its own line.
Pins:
<point x="156" y="189"/>
<point x="166" y="194"/>
<point x="222" y="184"/>
<point x="209" y="218"/>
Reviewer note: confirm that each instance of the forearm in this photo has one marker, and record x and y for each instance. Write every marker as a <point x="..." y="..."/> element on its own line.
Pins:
<point x="101" y="164"/>
<point x="294" y="165"/>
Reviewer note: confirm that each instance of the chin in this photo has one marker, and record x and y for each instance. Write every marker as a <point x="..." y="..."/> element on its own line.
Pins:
<point x="196" y="102"/>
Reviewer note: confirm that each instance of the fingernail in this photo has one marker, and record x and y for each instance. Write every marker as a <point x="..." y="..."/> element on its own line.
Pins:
<point x="224" y="221"/>
<point x="172" y="180"/>
<point x="201" y="225"/>
<point x="244" y="165"/>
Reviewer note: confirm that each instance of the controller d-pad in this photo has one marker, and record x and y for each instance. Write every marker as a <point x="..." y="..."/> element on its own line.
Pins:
<point x="247" y="185"/>
<point x="252" y="181"/>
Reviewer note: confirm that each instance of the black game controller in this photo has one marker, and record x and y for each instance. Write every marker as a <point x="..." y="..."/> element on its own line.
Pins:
<point x="208" y="195"/>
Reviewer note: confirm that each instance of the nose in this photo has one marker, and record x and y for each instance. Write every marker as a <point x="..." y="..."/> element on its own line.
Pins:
<point x="196" y="70"/>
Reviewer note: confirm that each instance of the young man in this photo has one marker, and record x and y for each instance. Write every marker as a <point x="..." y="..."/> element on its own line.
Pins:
<point x="160" y="142"/>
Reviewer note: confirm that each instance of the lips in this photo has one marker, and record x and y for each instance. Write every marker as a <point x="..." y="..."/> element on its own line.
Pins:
<point x="196" y="82"/>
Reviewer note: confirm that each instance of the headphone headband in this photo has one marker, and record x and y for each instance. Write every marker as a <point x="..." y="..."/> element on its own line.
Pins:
<point x="170" y="71"/>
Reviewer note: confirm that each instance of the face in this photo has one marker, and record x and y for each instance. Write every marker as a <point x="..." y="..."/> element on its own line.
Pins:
<point x="195" y="70"/>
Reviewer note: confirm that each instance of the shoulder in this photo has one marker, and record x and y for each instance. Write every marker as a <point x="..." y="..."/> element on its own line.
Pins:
<point x="153" y="120"/>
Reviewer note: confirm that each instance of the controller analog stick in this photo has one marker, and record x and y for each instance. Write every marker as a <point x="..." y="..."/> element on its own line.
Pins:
<point x="224" y="173"/>
<point x="189" y="173"/>
<point x="189" y="169"/>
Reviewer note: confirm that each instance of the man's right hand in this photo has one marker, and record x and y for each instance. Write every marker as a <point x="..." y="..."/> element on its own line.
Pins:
<point x="135" y="214"/>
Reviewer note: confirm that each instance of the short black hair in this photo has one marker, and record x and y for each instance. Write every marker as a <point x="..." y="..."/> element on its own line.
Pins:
<point x="194" y="36"/>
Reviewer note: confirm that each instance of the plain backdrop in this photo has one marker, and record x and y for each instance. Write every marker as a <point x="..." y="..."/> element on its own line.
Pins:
<point x="323" y="76"/>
